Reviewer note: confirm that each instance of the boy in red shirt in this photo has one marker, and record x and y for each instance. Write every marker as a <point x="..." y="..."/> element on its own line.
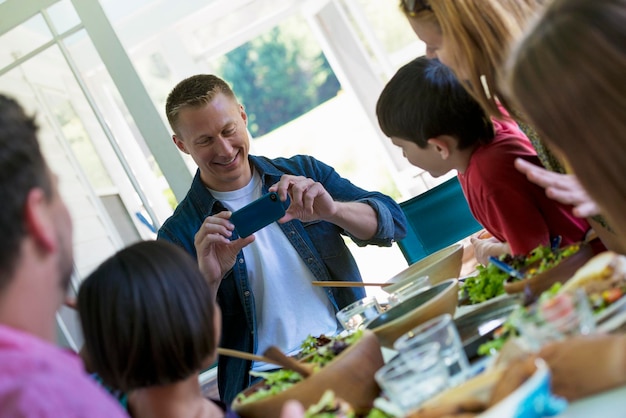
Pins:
<point x="426" y="111"/>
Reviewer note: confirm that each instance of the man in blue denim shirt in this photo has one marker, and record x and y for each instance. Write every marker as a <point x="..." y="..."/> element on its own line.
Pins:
<point x="262" y="282"/>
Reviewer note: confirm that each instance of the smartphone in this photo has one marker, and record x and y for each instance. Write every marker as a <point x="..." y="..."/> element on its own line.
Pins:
<point x="258" y="214"/>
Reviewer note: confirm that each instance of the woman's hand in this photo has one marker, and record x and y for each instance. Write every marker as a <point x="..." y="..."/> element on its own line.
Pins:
<point x="584" y="365"/>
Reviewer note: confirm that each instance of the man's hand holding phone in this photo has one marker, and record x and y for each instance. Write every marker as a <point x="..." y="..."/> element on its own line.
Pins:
<point x="309" y="199"/>
<point x="258" y="214"/>
<point x="216" y="253"/>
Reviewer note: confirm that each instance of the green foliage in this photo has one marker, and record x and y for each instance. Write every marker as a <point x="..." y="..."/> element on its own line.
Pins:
<point x="171" y="198"/>
<point x="279" y="76"/>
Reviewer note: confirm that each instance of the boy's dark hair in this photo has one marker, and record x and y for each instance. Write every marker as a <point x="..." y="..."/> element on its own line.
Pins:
<point x="148" y="317"/>
<point x="424" y="100"/>
<point x="22" y="168"/>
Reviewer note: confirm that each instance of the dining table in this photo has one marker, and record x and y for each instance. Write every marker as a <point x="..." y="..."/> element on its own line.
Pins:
<point x="609" y="404"/>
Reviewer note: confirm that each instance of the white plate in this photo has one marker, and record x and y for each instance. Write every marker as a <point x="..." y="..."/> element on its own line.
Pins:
<point x="465" y="309"/>
<point x="613" y="323"/>
<point x="617" y="306"/>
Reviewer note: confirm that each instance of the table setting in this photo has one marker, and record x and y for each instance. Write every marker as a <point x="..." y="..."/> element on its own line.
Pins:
<point x="423" y="353"/>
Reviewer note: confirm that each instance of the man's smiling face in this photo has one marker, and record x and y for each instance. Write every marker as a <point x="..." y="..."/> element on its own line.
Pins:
<point x="215" y="136"/>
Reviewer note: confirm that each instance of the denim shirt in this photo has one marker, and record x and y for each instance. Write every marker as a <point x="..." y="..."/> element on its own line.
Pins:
<point x="319" y="243"/>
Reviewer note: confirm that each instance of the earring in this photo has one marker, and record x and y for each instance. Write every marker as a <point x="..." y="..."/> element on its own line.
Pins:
<point x="483" y="81"/>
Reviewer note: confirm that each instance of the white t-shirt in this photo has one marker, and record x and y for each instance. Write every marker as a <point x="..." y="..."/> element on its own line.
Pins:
<point x="288" y="307"/>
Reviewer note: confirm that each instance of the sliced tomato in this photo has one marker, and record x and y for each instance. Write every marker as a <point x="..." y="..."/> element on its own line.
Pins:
<point x="611" y="295"/>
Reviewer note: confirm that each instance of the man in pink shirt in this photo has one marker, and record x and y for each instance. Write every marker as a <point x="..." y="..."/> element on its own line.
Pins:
<point x="37" y="378"/>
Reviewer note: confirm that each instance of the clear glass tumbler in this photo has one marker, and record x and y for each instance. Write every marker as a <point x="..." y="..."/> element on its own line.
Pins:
<point x="554" y="319"/>
<point x="441" y="330"/>
<point x="411" y="289"/>
<point x="409" y="380"/>
<point x="359" y="314"/>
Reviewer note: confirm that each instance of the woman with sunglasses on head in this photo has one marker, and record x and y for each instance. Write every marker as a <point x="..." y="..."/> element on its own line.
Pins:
<point x="426" y="26"/>
<point x="576" y="51"/>
<point x="472" y="37"/>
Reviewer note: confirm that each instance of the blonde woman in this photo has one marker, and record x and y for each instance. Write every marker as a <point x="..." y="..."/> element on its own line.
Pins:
<point x="473" y="37"/>
<point x="576" y="51"/>
<point x="584" y="114"/>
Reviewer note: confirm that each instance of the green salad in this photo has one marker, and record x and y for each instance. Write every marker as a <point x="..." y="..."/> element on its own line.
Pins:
<point x="508" y="328"/>
<point x="318" y="351"/>
<point x="540" y="259"/>
<point x="331" y="407"/>
<point x="489" y="282"/>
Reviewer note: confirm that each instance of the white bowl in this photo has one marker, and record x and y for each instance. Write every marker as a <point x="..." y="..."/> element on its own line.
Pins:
<point x="402" y="318"/>
<point x="442" y="265"/>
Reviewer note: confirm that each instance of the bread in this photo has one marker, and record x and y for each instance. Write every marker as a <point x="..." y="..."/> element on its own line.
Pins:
<point x="514" y="376"/>
<point x="600" y="272"/>
<point x="463" y="409"/>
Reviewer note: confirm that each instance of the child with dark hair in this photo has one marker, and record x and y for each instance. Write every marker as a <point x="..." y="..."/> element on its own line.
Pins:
<point x="440" y="127"/>
<point x="151" y="325"/>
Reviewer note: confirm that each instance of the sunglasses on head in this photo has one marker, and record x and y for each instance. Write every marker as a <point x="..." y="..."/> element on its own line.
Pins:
<point x="413" y="7"/>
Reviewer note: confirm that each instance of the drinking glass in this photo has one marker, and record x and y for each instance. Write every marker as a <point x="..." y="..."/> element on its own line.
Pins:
<point x="441" y="330"/>
<point x="554" y="319"/>
<point x="409" y="380"/>
<point x="359" y="314"/>
<point x="411" y="289"/>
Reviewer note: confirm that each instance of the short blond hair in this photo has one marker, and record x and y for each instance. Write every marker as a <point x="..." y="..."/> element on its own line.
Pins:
<point x="195" y="91"/>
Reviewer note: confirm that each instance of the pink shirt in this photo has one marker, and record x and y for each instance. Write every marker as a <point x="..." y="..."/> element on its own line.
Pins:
<point x="38" y="379"/>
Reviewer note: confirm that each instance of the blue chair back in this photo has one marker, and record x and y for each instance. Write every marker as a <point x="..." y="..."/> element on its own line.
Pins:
<point x="436" y="219"/>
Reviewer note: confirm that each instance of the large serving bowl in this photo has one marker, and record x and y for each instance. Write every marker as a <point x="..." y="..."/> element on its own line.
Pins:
<point x="402" y="318"/>
<point x="350" y="376"/>
<point x="442" y="265"/>
<point x="560" y="273"/>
